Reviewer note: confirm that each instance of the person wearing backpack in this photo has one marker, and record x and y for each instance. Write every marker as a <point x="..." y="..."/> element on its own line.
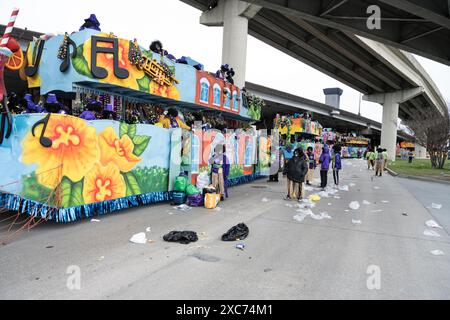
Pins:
<point x="379" y="162"/>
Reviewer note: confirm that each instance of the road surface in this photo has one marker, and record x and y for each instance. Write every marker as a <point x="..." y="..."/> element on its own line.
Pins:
<point x="386" y="256"/>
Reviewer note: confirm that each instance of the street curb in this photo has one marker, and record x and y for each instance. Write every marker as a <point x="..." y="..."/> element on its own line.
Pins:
<point x="395" y="174"/>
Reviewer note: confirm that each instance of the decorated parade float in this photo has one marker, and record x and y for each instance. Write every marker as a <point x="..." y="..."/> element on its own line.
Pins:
<point x="105" y="136"/>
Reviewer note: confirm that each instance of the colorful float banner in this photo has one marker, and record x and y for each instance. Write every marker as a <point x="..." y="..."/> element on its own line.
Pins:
<point x="407" y="144"/>
<point x="298" y="125"/>
<point x="67" y="162"/>
<point x="103" y="61"/>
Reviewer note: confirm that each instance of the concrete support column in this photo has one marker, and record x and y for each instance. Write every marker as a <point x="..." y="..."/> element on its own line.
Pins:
<point x="391" y="102"/>
<point x="234" y="45"/>
<point x="233" y="16"/>
<point x="389" y="125"/>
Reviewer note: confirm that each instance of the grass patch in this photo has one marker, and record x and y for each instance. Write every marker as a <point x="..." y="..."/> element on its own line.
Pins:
<point x="420" y="168"/>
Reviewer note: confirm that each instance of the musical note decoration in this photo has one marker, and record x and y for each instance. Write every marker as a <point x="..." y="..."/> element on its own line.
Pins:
<point x="64" y="50"/>
<point x="44" y="141"/>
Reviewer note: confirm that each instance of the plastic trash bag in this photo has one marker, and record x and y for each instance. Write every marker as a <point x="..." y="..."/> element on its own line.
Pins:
<point x="436" y="205"/>
<point x="431" y="233"/>
<point x="354" y="205"/>
<point x="202" y="180"/>
<point x="183" y="207"/>
<point x="139" y="238"/>
<point x="314" y="197"/>
<point x="191" y="190"/>
<point x="238" y="232"/>
<point x="437" y="252"/>
<point x="432" y="224"/>
<point x="195" y="200"/>
<point x="183" y="237"/>
<point x="180" y="184"/>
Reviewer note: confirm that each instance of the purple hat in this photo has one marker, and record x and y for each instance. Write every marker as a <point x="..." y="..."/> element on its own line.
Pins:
<point x="51" y="98"/>
<point x="28" y="98"/>
<point x="109" y="107"/>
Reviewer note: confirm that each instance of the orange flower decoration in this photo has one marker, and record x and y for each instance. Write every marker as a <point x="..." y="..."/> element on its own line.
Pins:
<point x="73" y="152"/>
<point x="106" y="60"/>
<point x="103" y="183"/>
<point x="117" y="151"/>
<point x="164" y="91"/>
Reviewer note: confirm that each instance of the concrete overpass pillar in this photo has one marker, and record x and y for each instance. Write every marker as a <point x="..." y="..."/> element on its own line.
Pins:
<point x="233" y="15"/>
<point x="391" y="102"/>
<point x="389" y="124"/>
<point x="234" y="43"/>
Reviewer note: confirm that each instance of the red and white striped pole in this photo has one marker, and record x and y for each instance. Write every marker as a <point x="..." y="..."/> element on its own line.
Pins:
<point x="9" y="28"/>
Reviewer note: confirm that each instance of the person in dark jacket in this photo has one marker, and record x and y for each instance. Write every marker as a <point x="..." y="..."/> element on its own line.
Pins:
<point x="311" y="165"/>
<point x="220" y="170"/>
<point x="324" y="161"/>
<point x="297" y="168"/>
<point x="336" y="164"/>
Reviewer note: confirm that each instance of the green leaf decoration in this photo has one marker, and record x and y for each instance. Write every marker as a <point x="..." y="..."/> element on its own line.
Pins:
<point x="80" y="64"/>
<point x="140" y="144"/>
<point x="123" y="129"/>
<point x="71" y="193"/>
<point x="132" y="184"/>
<point x="144" y="83"/>
<point x="33" y="190"/>
<point x="132" y="130"/>
<point x="153" y="179"/>
<point x="147" y="53"/>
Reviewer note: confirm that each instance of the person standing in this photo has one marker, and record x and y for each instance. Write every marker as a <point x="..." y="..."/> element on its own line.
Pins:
<point x="368" y="152"/>
<point x="379" y="162"/>
<point x="220" y="171"/>
<point x="385" y="156"/>
<point x="297" y="169"/>
<point x="336" y="164"/>
<point x="311" y="165"/>
<point x="410" y="156"/>
<point x="324" y="161"/>
<point x="372" y="158"/>
<point x="287" y="155"/>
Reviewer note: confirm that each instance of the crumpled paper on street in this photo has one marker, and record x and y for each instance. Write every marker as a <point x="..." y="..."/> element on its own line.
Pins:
<point x="356" y="221"/>
<point x="437" y="252"/>
<point x="343" y="188"/>
<point x="139" y="238"/>
<point x="431" y="233"/>
<point x="365" y="202"/>
<point x="354" y="205"/>
<point x="436" y="206"/>
<point x="432" y="224"/>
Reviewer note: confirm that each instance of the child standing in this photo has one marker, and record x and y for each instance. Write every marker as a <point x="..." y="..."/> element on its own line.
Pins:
<point x="336" y="164"/>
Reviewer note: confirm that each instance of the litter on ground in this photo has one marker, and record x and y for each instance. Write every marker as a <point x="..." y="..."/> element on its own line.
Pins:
<point x="352" y="184"/>
<point x="366" y="202"/>
<point x="376" y="188"/>
<point x="95" y="220"/>
<point x="183" y="207"/>
<point x="354" y="205"/>
<point x="436" y="205"/>
<point x="217" y="209"/>
<point x="265" y="199"/>
<point x="336" y="197"/>
<point x="314" y="197"/>
<point x="240" y="246"/>
<point x="139" y="238"/>
<point x="148" y="229"/>
<point x="356" y="221"/>
<point x="432" y="224"/>
<point x="374" y="211"/>
<point x="183" y="237"/>
<point x="384" y="201"/>
<point x="289" y="205"/>
<point x="437" y="252"/>
<point x="343" y="188"/>
<point x="431" y="233"/>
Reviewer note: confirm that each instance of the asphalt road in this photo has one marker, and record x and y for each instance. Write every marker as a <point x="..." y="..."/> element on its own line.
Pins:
<point x="386" y="256"/>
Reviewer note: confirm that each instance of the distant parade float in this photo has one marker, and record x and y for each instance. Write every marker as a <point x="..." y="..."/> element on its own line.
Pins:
<point x="109" y="125"/>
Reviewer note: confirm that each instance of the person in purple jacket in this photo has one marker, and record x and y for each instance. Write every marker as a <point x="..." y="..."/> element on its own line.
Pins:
<point x="336" y="163"/>
<point x="220" y="170"/>
<point x="324" y="161"/>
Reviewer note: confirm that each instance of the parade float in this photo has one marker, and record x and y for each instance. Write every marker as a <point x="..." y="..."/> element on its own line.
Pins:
<point x="64" y="168"/>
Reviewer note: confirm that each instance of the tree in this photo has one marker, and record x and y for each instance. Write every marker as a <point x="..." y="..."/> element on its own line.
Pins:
<point x="433" y="133"/>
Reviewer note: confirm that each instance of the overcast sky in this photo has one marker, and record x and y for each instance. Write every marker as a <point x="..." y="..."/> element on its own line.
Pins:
<point x="177" y="26"/>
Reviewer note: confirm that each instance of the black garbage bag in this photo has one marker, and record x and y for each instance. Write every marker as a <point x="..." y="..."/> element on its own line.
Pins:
<point x="183" y="237"/>
<point x="238" y="232"/>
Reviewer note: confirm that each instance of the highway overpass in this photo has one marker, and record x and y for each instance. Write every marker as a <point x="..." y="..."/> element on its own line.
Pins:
<point x="382" y="73"/>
